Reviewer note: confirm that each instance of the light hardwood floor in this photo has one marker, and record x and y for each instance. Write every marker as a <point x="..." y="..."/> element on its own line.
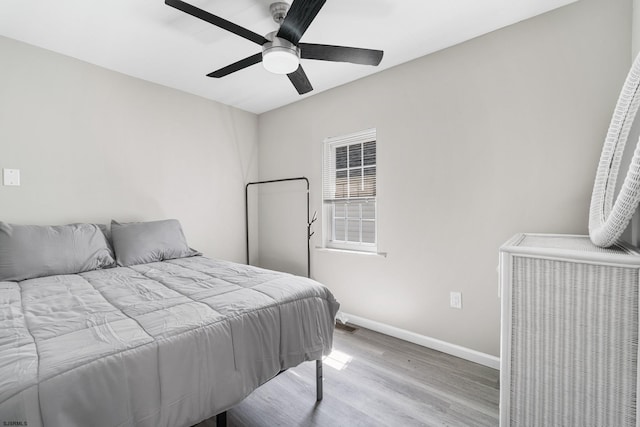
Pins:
<point x="384" y="382"/>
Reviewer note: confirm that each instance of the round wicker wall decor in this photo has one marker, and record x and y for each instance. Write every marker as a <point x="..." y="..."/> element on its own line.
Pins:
<point x="608" y="220"/>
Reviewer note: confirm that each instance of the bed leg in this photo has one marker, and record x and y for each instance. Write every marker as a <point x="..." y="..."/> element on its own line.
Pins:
<point x="318" y="380"/>
<point x="221" y="419"/>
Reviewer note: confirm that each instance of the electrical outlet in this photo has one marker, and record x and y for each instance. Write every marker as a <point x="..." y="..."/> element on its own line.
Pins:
<point x="11" y="177"/>
<point x="455" y="300"/>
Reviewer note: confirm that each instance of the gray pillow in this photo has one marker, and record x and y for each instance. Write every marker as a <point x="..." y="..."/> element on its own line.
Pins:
<point x="144" y="242"/>
<point x="29" y="251"/>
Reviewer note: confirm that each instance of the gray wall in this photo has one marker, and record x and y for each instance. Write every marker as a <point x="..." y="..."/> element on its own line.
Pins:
<point x="480" y="141"/>
<point x="635" y="45"/>
<point x="93" y="145"/>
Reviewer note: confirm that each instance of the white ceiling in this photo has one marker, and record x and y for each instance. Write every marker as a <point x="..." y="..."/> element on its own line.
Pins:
<point x="152" y="41"/>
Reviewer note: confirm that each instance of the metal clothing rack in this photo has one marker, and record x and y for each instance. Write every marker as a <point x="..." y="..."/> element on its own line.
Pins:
<point x="309" y="222"/>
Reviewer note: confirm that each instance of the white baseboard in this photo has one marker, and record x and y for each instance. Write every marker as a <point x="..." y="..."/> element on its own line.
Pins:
<point x="433" y="343"/>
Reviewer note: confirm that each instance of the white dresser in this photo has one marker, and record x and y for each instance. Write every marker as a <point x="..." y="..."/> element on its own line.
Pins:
<point x="569" y="334"/>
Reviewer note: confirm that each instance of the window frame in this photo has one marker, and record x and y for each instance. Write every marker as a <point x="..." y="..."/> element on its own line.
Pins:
<point x="329" y="182"/>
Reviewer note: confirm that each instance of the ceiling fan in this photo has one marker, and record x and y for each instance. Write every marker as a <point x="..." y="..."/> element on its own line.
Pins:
<point x="282" y="50"/>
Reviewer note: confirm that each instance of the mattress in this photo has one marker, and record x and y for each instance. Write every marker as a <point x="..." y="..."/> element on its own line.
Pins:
<point x="162" y="344"/>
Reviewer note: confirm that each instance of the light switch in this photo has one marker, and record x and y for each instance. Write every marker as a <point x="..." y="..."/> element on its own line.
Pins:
<point x="11" y="176"/>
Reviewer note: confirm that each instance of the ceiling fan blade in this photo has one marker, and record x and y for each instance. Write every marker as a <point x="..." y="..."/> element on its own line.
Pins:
<point x="300" y="81"/>
<point x="217" y="21"/>
<point x="236" y="66"/>
<point x="355" y="55"/>
<point x="298" y="19"/>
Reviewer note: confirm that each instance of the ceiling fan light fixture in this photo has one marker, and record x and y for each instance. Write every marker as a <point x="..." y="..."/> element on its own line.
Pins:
<point x="280" y="56"/>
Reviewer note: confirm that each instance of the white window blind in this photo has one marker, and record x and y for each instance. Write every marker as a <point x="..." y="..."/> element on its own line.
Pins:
<point x="349" y="191"/>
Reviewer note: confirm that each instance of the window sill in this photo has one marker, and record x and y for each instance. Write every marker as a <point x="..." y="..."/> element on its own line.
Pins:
<point x="349" y="251"/>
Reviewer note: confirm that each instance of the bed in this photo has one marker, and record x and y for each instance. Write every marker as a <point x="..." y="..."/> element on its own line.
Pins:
<point x="170" y="342"/>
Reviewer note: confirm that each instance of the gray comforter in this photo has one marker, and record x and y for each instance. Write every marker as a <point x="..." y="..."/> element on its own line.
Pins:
<point x="161" y="344"/>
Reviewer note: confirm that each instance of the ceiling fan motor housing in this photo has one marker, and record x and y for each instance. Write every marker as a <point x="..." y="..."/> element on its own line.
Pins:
<point x="280" y="56"/>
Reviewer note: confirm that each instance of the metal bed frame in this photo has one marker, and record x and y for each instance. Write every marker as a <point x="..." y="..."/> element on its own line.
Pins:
<point x="221" y="419"/>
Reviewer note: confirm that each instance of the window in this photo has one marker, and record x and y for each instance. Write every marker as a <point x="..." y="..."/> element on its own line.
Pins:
<point x="349" y="191"/>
